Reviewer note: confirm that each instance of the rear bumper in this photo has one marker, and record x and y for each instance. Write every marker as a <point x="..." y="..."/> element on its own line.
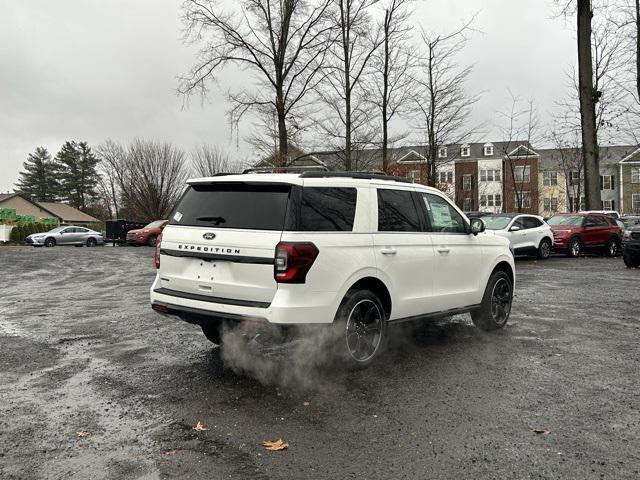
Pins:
<point x="631" y="247"/>
<point x="290" y="306"/>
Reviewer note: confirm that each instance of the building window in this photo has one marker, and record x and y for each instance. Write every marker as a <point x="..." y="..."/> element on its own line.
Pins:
<point x="522" y="174"/>
<point x="550" y="178"/>
<point x="490" y="200"/>
<point x="490" y="175"/>
<point x="498" y="200"/>
<point x="483" y="200"/>
<point x="445" y="177"/>
<point x="574" y="178"/>
<point x="635" y="175"/>
<point x="466" y="205"/>
<point x="442" y="152"/>
<point x="550" y="204"/>
<point x="465" y="151"/>
<point x="635" y="202"/>
<point x="525" y="198"/>
<point x="573" y="204"/>
<point x="488" y="149"/>
<point x="607" y="182"/>
<point x="466" y="182"/>
<point x="608" y="205"/>
<point x="414" y="175"/>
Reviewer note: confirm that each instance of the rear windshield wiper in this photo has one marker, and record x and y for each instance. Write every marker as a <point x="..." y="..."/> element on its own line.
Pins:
<point x="215" y="220"/>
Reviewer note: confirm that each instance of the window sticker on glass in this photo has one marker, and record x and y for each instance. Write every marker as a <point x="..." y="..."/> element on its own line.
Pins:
<point x="441" y="214"/>
<point x="177" y="217"/>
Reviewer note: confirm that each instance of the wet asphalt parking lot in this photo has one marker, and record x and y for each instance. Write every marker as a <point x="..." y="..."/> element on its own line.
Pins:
<point x="94" y="385"/>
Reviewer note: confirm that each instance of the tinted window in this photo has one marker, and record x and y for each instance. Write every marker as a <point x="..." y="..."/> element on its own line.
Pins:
<point x="397" y="212"/>
<point x="327" y="209"/>
<point x="233" y="205"/>
<point x="593" y="220"/>
<point x="81" y="230"/>
<point x="442" y="216"/>
<point x="531" y="222"/>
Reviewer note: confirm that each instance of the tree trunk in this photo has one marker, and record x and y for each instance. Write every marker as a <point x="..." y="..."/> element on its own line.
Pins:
<point x="385" y="95"/>
<point x="283" y="141"/>
<point x="638" y="47"/>
<point x="588" y="99"/>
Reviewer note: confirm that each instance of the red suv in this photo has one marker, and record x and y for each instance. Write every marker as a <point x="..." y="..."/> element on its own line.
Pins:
<point x="575" y="232"/>
<point x="146" y="235"/>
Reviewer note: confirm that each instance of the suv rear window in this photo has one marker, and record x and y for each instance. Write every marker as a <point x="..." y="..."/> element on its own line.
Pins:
<point x="327" y="209"/>
<point x="234" y="205"/>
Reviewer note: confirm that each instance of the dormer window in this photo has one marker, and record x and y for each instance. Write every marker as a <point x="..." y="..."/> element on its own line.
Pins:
<point x="488" y="149"/>
<point x="442" y="152"/>
<point x="465" y="151"/>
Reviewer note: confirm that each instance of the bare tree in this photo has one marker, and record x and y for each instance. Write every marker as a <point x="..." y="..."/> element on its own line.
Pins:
<point x="521" y="129"/>
<point x="350" y="120"/>
<point x="208" y="160"/>
<point x="392" y="82"/>
<point x="569" y="151"/>
<point x="112" y="171"/>
<point x="284" y="43"/>
<point x="442" y="104"/>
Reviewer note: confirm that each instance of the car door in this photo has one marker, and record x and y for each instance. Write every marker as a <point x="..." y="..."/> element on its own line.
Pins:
<point x="458" y="255"/>
<point x="403" y="251"/>
<point x="518" y="235"/>
<point x="534" y="231"/>
<point x="596" y="231"/>
<point x="66" y="236"/>
<point x="81" y="235"/>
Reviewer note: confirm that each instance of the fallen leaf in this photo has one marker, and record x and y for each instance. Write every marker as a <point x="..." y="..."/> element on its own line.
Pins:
<point x="306" y="404"/>
<point x="275" y="446"/>
<point x="544" y="432"/>
<point x="200" y="427"/>
<point x="172" y="451"/>
<point x="82" y="434"/>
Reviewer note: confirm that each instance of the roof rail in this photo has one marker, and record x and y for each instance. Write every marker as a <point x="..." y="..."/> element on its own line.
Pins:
<point x="290" y="169"/>
<point x="358" y="175"/>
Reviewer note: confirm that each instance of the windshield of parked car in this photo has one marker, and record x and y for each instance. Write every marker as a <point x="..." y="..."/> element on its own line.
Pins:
<point x="630" y="222"/>
<point x="573" y="220"/>
<point x="155" y="224"/>
<point x="497" y="222"/>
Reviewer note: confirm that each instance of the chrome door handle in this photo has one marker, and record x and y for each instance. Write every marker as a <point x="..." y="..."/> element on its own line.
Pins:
<point x="443" y="250"/>
<point x="388" y="251"/>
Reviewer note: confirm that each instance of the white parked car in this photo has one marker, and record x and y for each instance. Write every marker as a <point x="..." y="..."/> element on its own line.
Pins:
<point x="527" y="234"/>
<point x="354" y="252"/>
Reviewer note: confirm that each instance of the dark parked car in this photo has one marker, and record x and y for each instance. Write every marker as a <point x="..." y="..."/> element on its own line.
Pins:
<point x="146" y="235"/>
<point x="631" y="247"/>
<point x="574" y="233"/>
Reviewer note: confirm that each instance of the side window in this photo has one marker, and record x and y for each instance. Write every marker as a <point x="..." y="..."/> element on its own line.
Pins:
<point x="519" y="222"/>
<point x="442" y="216"/>
<point x="69" y="230"/>
<point x="81" y="230"/>
<point x="600" y="221"/>
<point x="327" y="209"/>
<point x="397" y="212"/>
<point x="531" y="222"/>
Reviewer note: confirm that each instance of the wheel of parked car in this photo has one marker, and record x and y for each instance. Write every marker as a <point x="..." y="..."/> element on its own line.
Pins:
<point x="631" y="261"/>
<point x="91" y="242"/>
<point x="612" y="247"/>
<point x="361" y="327"/>
<point x="152" y="240"/>
<point x="575" y="247"/>
<point x="213" y="332"/>
<point x="544" y="249"/>
<point x="50" y="242"/>
<point x="495" y="308"/>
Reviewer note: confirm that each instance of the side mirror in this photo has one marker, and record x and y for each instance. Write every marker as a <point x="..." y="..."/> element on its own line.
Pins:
<point x="477" y="226"/>
<point x="515" y="228"/>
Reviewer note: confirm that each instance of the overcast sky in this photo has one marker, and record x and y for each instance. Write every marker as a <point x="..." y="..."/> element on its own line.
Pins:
<point x="97" y="69"/>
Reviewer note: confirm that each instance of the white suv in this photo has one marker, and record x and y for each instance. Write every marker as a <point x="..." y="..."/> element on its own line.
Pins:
<point x="356" y="251"/>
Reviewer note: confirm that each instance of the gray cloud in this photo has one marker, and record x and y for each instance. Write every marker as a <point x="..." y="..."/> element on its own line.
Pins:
<point x="94" y="69"/>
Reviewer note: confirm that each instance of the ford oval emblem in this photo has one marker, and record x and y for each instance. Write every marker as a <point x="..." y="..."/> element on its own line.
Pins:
<point x="209" y="236"/>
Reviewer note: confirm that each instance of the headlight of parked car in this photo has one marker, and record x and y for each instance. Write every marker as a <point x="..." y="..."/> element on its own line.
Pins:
<point x="627" y="235"/>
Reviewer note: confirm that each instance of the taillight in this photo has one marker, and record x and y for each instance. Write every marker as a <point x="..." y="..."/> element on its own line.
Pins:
<point x="156" y="252"/>
<point x="293" y="261"/>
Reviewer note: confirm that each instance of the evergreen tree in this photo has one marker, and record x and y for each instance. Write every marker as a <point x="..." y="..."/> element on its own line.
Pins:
<point x="39" y="179"/>
<point x="78" y="173"/>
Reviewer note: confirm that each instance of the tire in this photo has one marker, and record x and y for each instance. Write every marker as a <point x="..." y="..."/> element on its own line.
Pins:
<point x="360" y="327"/>
<point x="613" y="247"/>
<point x="151" y="241"/>
<point x="213" y="332"/>
<point x="496" y="303"/>
<point x="50" y="242"/>
<point x="544" y="249"/>
<point x="631" y="261"/>
<point x="575" y="247"/>
<point x="91" y="242"/>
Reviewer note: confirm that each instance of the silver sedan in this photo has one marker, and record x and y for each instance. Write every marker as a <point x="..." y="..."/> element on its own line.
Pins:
<point x="66" y="235"/>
